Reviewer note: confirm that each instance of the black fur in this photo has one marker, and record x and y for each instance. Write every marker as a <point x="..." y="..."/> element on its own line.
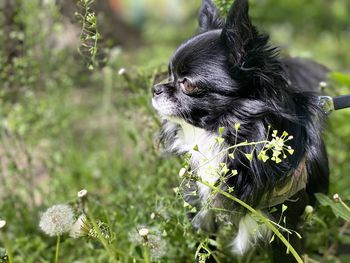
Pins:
<point x="239" y="78"/>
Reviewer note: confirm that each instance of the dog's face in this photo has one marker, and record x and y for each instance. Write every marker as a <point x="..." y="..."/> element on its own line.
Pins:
<point x="199" y="82"/>
<point x="211" y="70"/>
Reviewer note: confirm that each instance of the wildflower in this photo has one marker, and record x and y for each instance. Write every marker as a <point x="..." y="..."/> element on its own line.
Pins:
<point x="57" y="220"/>
<point x="2" y="223"/>
<point x="82" y="193"/>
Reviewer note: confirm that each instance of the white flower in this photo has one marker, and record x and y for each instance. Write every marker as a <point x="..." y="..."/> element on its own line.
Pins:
<point x="2" y="223"/>
<point x="57" y="220"/>
<point x="77" y="229"/>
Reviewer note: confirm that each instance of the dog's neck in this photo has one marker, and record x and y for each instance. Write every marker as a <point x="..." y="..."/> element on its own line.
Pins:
<point x="204" y="150"/>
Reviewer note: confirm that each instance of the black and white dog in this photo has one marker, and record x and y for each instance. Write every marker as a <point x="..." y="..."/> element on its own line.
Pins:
<point x="229" y="74"/>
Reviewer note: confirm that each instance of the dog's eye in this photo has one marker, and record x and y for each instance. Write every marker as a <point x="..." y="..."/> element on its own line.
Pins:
<point x="187" y="87"/>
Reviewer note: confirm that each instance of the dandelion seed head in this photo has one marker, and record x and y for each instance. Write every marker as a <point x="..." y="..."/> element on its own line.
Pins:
<point x="323" y="84"/>
<point x="309" y="209"/>
<point x="2" y="223"/>
<point x="336" y="197"/>
<point x="82" y="193"/>
<point x="57" y="220"/>
<point x="156" y="244"/>
<point x="134" y="237"/>
<point x="121" y="71"/>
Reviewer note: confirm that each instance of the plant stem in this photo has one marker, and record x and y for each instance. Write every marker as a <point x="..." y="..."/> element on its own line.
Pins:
<point x="57" y="248"/>
<point x="265" y="220"/>
<point x="146" y="255"/>
<point x="343" y="204"/>
<point x="8" y="250"/>
<point x="226" y="150"/>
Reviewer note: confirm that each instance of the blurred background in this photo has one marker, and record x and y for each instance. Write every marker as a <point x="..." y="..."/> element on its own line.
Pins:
<point x="75" y="80"/>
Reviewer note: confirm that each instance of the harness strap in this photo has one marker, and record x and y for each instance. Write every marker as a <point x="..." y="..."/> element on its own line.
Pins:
<point x="284" y="192"/>
<point x="341" y="102"/>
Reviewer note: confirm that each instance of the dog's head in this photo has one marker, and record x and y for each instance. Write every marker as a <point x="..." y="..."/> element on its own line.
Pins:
<point x="226" y="60"/>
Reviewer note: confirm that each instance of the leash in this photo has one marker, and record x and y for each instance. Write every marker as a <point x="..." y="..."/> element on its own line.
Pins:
<point x="330" y="104"/>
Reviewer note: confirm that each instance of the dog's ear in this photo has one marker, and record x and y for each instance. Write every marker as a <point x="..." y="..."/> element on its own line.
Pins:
<point x="238" y="31"/>
<point x="209" y="17"/>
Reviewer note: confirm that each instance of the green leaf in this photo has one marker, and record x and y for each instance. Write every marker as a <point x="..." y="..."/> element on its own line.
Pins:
<point x="338" y="209"/>
<point x="221" y="131"/>
<point x="195" y="148"/>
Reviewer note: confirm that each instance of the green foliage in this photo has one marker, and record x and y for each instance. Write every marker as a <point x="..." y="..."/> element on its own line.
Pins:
<point x="339" y="208"/>
<point x="89" y="35"/>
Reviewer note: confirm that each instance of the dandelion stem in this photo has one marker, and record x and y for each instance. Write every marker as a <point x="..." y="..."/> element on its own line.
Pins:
<point x="57" y="248"/>
<point x="8" y="250"/>
<point x="265" y="220"/>
<point x="146" y="255"/>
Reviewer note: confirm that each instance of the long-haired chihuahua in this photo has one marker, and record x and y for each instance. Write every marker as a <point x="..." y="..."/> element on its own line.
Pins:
<point x="229" y="82"/>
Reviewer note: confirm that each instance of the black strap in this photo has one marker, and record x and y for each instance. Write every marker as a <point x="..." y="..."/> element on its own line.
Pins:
<point x="341" y="102"/>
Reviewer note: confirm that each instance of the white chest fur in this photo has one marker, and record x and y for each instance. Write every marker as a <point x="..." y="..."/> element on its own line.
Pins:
<point x="205" y="157"/>
<point x="206" y="162"/>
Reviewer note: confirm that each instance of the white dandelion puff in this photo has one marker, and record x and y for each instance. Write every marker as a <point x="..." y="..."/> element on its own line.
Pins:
<point x="57" y="220"/>
<point x="2" y="223"/>
<point x="157" y="246"/>
<point x="336" y="197"/>
<point x="309" y="209"/>
<point x="121" y="71"/>
<point x="152" y="239"/>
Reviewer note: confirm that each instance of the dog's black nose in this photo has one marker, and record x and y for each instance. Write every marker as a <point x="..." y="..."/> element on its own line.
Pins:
<point x="157" y="89"/>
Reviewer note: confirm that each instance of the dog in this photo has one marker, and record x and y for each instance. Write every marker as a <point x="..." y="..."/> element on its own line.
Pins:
<point x="229" y="82"/>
